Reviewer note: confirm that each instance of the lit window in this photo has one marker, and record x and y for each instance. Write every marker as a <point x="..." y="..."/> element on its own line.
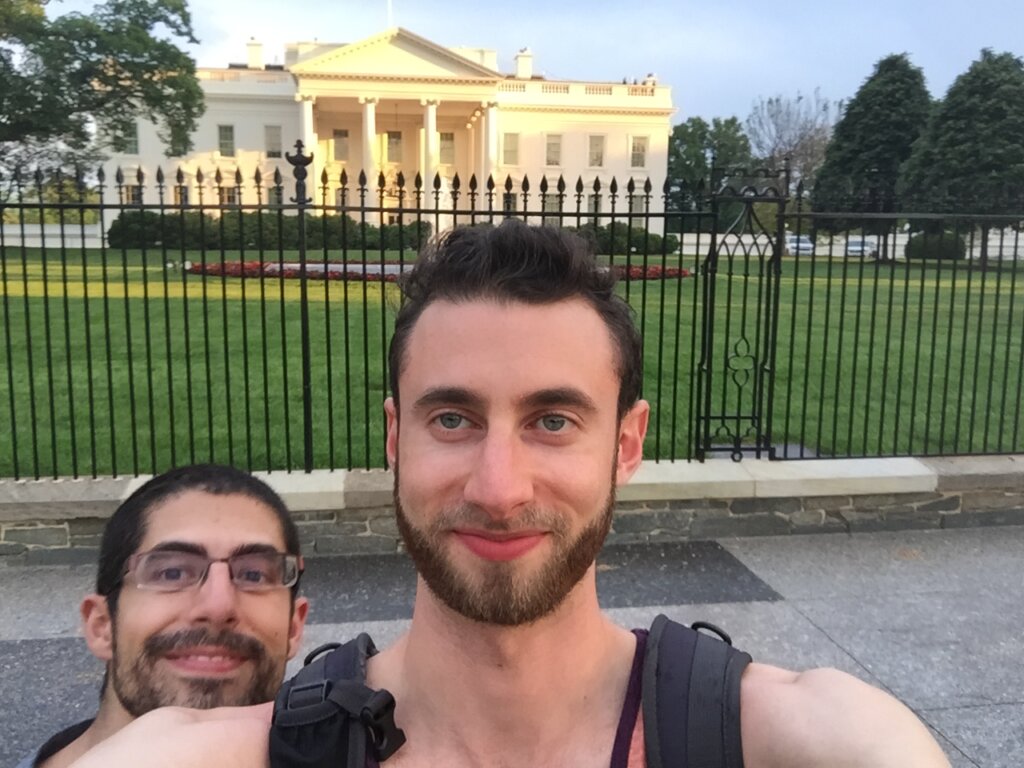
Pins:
<point x="131" y="194"/>
<point x="638" y="152"/>
<point x="510" y="149"/>
<point x="553" y="149"/>
<point x="272" y="139"/>
<point x="226" y="140"/>
<point x="508" y="201"/>
<point x="180" y="195"/>
<point x="596" y="154"/>
<point x="394" y="147"/>
<point x="551" y="204"/>
<point x="341" y="145"/>
<point x="228" y="195"/>
<point x="447" y="156"/>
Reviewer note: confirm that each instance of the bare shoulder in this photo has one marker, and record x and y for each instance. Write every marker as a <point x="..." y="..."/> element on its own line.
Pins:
<point x="827" y="717"/>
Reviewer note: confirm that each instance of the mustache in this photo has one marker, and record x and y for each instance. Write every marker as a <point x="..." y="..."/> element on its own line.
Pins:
<point x="244" y="645"/>
<point x="528" y="519"/>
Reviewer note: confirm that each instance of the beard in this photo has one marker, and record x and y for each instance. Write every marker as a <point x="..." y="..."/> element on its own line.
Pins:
<point x="141" y="687"/>
<point x="501" y="593"/>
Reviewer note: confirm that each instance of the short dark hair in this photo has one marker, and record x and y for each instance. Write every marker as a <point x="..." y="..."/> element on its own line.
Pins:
<point x="127" y="526"/>
<point x="515" y="262"/>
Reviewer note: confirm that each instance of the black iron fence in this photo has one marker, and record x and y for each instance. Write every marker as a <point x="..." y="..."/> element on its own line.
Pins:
<point x="151" y="322"/>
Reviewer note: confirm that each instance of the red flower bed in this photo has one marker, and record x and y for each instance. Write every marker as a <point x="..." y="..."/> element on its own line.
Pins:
<point x="357" y="270"/>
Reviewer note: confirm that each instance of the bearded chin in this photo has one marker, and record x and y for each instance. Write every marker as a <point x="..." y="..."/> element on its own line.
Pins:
<point x="501" y="593"/>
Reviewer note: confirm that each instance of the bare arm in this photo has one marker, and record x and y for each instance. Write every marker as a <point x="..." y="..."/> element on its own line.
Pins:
<point x="175" y="737"/>
<point x="826" y="717"/>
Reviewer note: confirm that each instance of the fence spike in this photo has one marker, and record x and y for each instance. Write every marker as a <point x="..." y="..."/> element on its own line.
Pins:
<point x="38" y="177"/>
<point x="630" y="186"/>
<point x="579" y="185"/>
<point x="418" y="181"/>
<point x="614" y="186"/>
<point x="160" y="175"/>
<point x="362" y="179"/>
<point x="140" y="177"/>
<point x="525" y="186"/>
<point x="323" y="177"/>
<point x="472" y="183"/>
<point x="561" y="184"/>
<point x="666" y="187"/>
<point x="543" y="185"/>
<point x="597" y="186"/>
<point x="119" y="176"/>
<point x="100" y="174"/>
<point x="218" y="177"/>
<point x="238" y="177"/>
<point x="508" y="183"/>
<point x="381" y="181"/>
<point x="278" y="179"/>
<point x="343" y="178"/>
<point x="490" y="182"/>
<point x="647" y="186"/>
<point x="258" y="177"/>
<point x="437" y="182"/>
<point x="456" y="183"/>
<point x="400" y="180"/>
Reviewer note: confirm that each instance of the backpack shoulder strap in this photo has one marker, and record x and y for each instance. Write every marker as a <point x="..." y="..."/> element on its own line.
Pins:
<point x="691" y="697"/>
<point x="326" y="711"/>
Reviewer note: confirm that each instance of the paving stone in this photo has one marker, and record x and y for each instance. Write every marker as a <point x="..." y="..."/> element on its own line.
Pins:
<point x="702" y="505"/>
<point x="315" y="516"/>
<point x="384" y="526"/>
<point x="615" y="538"/>
<point x="43" y="536"/>
<point x="783" y="504"/>
<point x="828" y="503"/>
<point x="636" y="522"/>
<point x="87" y="525"/>
<point x="979" y="500"/>
<point x="62" y="556"/>
<point x="89" y="540"/>
<point x="9" y="548"/>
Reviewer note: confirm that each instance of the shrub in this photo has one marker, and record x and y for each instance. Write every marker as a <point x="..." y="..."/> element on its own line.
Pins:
<point x="135" y="229"/>
<point x="937" y="246"/>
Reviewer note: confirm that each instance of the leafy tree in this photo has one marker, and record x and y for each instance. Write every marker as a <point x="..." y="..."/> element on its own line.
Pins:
<point x="873" y="139"/>
<point x="67" y="78"/>
<point x="781" y="127"/>
<point x="970" y="159"/>
<point x="691" y="148"/>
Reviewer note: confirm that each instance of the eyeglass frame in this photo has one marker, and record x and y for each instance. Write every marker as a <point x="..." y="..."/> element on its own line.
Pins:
<point x="287" y="559"/>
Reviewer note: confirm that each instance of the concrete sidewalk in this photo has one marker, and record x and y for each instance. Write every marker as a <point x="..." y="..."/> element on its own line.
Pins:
<point x="933" y="616"/>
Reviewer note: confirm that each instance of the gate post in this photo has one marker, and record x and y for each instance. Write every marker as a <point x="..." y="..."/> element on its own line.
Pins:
<point x="299" y="162"/>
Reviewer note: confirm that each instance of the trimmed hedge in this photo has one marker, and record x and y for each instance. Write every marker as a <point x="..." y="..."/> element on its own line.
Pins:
<point x="936" y="246"/>
<point x="268" y="231"/>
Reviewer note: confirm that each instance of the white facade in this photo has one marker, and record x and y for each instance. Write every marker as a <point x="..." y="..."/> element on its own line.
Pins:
<point x="397" y="102"/>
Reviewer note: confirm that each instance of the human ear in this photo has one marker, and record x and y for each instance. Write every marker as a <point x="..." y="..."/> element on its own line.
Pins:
<point x="632" y="430"/>
<point x="391" y="442"/>
<point x="97" y="626"/>
<point x="297" y="625"/>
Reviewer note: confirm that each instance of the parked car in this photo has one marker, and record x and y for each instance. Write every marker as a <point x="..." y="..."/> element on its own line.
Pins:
<point x="861" y="246"/>
<point x="799" y="245"/>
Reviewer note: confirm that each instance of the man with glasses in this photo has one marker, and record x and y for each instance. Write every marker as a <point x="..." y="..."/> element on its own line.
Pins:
<point x="196" y="602"/>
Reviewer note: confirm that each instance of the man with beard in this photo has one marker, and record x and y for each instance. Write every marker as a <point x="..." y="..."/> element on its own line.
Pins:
<point x="515" y="414"/>
<point x="196" y="602"/>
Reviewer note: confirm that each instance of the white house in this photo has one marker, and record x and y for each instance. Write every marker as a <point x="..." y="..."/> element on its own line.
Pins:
<point x="397" y="102"/>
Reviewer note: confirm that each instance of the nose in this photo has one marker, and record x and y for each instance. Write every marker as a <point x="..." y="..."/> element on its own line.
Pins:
<point x="500" y="480"/>
<point x="216" y="599"/>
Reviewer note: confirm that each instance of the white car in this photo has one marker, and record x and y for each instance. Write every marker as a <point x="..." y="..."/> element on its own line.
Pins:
<point x="799" y="245"/>
<point x="861" y="246"/>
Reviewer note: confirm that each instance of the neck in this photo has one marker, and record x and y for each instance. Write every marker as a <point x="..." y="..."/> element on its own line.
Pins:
<point x="511" y="691"/>
<point x="110" y="718"/>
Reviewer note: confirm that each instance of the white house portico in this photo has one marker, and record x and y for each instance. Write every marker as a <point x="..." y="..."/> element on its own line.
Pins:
<point x="397" y="102"/>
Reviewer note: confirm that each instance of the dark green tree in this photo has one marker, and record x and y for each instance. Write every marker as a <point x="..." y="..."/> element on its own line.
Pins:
<point x="873" y="138"/>
<point x="692" y="147"/>
<point x="970" y="159"/>
<point x="78" y="80"/>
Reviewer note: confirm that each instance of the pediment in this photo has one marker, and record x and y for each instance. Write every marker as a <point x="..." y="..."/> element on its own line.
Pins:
<point x="395" y="53"/>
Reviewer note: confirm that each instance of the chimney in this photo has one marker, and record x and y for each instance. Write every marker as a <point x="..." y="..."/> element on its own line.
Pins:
<point x="524" y="64"/>
<point x="255" y="54"/>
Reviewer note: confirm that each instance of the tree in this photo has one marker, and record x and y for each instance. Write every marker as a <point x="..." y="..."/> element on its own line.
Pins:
<point x="970" y="159"/>
<point x="873" y="139"/>
<point x="692" y="146"/>
<point x="781" y="127"/>
<point x="67" y="79"/>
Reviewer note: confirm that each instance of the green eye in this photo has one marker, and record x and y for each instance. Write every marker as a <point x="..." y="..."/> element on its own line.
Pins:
<point x="554" y="423"/>
<point x="450" y="420"/>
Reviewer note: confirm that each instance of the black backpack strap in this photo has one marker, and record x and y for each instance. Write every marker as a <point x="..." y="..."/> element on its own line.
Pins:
<point x="326" y="712"/>
<point x="691" y="697"/>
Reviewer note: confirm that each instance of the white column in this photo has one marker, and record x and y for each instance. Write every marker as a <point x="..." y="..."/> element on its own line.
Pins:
<point x="480" y="157"/>
<point x="369" y="140"/>
<point x="491" y="138"/>
<point x="432" y="141"/>
<point x="307" y="132"/>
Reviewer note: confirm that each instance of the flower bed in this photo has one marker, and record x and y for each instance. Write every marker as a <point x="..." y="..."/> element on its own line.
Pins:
<point x="375" y="271"/>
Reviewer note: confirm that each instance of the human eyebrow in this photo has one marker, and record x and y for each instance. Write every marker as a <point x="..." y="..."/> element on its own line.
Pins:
<point x="560" y="397"/>
<point x="254" y="549"/>
<point x="179" y="546"/>
<point x="455" y="396"/>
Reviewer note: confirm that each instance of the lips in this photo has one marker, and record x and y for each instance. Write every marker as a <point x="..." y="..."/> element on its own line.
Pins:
<point x="499" y="547"/>
<point x="205" y="661"/>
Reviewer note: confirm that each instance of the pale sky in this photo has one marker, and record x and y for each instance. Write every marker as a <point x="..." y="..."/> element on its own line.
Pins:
<point x="719" y="57"/>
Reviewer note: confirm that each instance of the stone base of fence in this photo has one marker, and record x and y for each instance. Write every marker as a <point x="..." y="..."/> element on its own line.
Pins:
<point x="349" y="512"/>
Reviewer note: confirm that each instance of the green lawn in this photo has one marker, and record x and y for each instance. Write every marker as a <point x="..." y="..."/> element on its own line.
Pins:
<point x="136" y="367"/>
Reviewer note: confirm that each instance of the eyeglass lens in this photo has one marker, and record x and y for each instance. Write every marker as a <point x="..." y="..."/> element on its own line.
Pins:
<point x="253" y="571"/>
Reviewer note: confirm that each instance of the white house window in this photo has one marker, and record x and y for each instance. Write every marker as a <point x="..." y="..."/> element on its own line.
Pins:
<point x="595" y="155"/>
<point x="275" y="196"/>
<point x="594" y="205"/>
<point x="272" y="140"/>
<point x="226" y="140"/>
<point x="131" y="194"/>
<point x="510" y="149"/>
<point x="638" y="152"/>
<point x="394" y="148"/>
<point x="447" y="155"/>
<point x="128" y="144"/>
<point x="341" y="145"/>
<point x="228" y="195"/>
<point x="637" y="204"/>
<point x="553" y="149"/>
<point x="551" y="204"/>
<point x="180" y="195"/>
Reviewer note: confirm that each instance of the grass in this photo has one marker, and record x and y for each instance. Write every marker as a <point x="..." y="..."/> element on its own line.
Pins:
<point x="116" y="364"/>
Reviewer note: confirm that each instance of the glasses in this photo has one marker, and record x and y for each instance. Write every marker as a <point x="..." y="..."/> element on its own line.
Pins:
<point x="173" y="571"/>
